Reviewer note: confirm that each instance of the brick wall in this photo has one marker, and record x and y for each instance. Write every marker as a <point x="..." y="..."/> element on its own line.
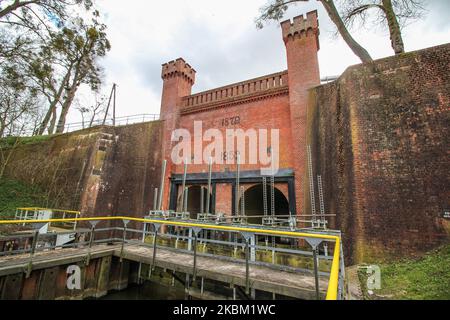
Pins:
<point x="380" y="137"/>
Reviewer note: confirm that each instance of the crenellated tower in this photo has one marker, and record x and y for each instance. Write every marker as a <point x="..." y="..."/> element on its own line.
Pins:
<point x="301" y="37"/>
<point x="178" y="79"/>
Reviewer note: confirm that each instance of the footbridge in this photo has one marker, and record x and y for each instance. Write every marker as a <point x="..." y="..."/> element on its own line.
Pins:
<point x="210" y="260"/>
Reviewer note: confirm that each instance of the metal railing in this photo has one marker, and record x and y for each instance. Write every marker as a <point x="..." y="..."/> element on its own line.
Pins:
<point x="36" y="213"/>
<point x="118" y="121"/>
<point x="336" y="277"/>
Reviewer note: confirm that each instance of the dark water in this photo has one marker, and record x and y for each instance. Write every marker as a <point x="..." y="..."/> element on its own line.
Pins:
<point x="147" y="291"/>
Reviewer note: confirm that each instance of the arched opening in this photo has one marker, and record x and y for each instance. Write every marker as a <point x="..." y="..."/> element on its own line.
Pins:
<point x="254" y="203"/>
<point x="194" y="200"/>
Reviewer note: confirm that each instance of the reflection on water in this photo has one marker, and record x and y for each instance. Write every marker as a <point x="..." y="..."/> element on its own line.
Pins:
<point x="147" y="291"/>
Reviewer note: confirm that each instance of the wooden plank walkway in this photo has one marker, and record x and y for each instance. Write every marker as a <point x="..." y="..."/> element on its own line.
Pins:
<point x="297" y="285"/>
<point x="46" y="259"/>
<point x="286" y="283"/>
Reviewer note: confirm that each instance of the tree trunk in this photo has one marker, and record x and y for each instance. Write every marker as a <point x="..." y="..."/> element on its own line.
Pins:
<point x="52" y="109"/>
<point x="394" y="27"/>
<point x="357" y="49"/>
<point x="66" y="105"/>
<point x="51" y="128"/>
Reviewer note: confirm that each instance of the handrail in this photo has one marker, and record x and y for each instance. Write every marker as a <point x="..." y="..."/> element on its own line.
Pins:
<point x="334" y="273"/>
<point x="58" y="210"/>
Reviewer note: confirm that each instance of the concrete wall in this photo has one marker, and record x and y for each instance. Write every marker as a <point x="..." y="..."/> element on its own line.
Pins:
<point x="131" y="170"/>
<point x="96" y="279"/>
<point x="380" y="137"/>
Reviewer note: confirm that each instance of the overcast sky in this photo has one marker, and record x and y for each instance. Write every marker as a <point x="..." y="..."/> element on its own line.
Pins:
<point x="219" y="39"/>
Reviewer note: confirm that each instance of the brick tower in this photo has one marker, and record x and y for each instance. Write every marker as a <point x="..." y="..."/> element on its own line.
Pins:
<point x="301" y="38"/>
<point x="178" y="79"/>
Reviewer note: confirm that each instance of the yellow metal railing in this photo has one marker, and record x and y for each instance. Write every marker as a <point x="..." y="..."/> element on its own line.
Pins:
<point x="332" y="291"/>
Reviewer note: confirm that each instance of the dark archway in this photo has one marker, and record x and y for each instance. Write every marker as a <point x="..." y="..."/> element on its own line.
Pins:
<point x="194" y="199"/>
<point x="254" y="204"/>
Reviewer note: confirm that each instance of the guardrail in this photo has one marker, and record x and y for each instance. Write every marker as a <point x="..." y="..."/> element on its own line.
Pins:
<point x="335" y="284"/>
<point x="118" y="121"/>
<point x="37" y="213"/>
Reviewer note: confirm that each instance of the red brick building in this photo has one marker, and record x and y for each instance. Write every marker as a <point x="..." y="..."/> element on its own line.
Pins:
<point x="275" y="101"/>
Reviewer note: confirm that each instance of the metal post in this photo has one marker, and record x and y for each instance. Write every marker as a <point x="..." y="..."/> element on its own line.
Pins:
<point x="208" y="195"/>
<point x="186" y="197"/>
<point x="114" y="105"/>
<point x="202" y="199"/>
<point x="183" y="185"/>
<point x="237" y="191"/>
<point x="341" y="283"/>
<point x="202" y="286"/>
<point x="194" y="272"/>
<point x="316" y="273"/>
<point x="109" y="103"/>
<point x="155" y="200"/>
<point x="242" y="201"/>
<point x="155" y="235"/>
<point x="190" y="239"/>
<point x="161" y="190"/>
<point x="125" y="223"/>
<point x="253" y="249"/>
<point x="140" y="263"/>
<point x="91" y="241"/>
<point x="32" y="251"/>
<point x="247" y="267"/>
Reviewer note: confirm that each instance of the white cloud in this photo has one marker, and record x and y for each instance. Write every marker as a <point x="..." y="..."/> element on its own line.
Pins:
<point x="219" y="39"/>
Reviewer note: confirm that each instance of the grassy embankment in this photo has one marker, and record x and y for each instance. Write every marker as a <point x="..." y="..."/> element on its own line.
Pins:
<point x="14" y="194"/>
<point x="425" y="278"/>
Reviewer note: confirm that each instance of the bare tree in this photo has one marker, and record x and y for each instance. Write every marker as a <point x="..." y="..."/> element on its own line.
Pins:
<point x="93" y="112"/>
<point x="82" y="45"/>
<point x="276" y="9"/>
<point x="391" y="13"/>
<point x="57" y="53"/>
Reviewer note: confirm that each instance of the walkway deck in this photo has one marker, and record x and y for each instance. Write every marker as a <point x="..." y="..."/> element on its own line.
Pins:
<point x="286" y="283"/>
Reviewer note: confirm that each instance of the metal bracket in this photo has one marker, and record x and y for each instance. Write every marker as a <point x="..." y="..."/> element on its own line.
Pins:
<point x="314" y="242"/>
<point x="38" y="226"/>
<point x="156" y="226"/>
<point x="246" y="235"/>
<point x="196" y="230"/>
<point x="93" y="223"/>
<point x="125" y="222"/>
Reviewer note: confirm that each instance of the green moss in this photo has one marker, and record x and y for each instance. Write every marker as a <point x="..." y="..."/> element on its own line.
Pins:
<point x="427" y="278"/>
<point x="11" y="141"/>
<point x="14" y="194"/>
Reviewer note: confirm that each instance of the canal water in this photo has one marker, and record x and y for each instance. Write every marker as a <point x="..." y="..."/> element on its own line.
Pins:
<point x="147" y="291"/>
